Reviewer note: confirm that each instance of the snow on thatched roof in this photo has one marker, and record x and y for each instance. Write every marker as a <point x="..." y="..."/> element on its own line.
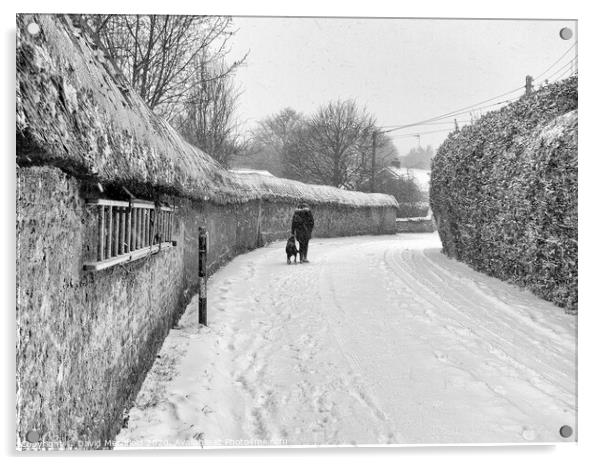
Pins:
<point x="269" y="186"/>
<point x="75" y="110"/>
<point x="251" y="172"/>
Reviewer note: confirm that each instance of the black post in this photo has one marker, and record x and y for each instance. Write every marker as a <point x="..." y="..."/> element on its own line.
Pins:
<point x="372" y="171"/>
<point x="203" y="276"/>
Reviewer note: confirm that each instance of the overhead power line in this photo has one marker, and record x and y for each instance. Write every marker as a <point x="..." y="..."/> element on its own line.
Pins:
<point x="567" y="73"/>
<point x="562" y="68"/>
<point x="471" y="108"/>
<point x="436" y="123"/>
<point x="421" y="133"/>
<point x="415" y="134"/>
<point x="460" y="111"/>
<point x="554" y="64"/>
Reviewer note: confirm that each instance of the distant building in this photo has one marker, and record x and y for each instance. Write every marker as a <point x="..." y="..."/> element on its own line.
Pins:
<point x="410" y="186"/>
<point x="421" y="177"/>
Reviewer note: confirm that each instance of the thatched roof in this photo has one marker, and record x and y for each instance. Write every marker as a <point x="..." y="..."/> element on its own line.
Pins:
<point x="269" y="186"/>
<point x="76" y="111"/>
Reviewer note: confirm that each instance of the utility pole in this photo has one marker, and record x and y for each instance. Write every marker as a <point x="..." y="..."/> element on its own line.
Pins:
<point x="372" y="177"/>
<point x="528" y="85"/>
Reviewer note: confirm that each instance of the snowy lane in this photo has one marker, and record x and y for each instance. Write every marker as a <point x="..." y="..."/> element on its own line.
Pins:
<point x="380" y="339"/>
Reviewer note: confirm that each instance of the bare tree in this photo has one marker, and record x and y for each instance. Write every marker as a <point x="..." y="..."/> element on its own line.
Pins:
<point x="269" y="140"/>
<point x="276" y="130"/>
<point x="334" y="146"/>
<point x="159" y="53"/>
<point x="207" y="117"/>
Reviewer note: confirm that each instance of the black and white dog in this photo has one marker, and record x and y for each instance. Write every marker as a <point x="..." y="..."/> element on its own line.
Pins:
<point x="291" y="250"/>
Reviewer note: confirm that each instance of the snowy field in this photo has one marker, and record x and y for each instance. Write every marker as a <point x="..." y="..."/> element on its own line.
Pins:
<point x="379" y="339"/>
<point x="422" y="177"/>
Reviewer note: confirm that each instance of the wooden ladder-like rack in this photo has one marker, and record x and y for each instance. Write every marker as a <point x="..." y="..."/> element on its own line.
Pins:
<point x="129" y="230"/>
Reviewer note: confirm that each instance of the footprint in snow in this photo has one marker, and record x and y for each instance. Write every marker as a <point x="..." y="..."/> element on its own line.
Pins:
<point x="440" y="356"/>
<point x="499" y="390"/>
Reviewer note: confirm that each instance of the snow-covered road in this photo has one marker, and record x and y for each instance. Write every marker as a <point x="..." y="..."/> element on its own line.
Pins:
<point x="380" y="339"/>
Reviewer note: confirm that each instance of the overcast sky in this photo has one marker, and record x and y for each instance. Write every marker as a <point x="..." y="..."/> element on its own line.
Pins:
<point x="402" y="70"/>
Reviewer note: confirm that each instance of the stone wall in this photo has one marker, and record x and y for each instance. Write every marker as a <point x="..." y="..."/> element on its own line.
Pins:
<point x="415" y="225"/>
<point x="87" y="339"/>
<point x="84" y="339"/>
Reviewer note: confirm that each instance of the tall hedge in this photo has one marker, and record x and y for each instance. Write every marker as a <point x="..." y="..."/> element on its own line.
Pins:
<point x="504" y="193"/>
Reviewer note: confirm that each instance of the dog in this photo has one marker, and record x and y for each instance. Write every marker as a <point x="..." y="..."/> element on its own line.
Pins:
<point x="291" y="250"/>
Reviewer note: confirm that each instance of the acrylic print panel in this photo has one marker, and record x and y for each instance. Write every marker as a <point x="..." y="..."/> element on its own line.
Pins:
<point x="423" y="173"/>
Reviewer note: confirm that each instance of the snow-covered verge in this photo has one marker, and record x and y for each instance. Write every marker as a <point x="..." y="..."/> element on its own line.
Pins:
<point x="377" y="340"/>
<point x="421" y="177"/>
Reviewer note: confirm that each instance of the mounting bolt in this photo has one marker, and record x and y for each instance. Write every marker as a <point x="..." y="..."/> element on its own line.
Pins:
<point x="33" y="29"/>
<point x="566" y="431"/>
<point x="32" y="436"/>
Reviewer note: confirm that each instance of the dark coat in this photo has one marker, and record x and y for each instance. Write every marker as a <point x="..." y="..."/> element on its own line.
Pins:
<point x="303" y="224"/>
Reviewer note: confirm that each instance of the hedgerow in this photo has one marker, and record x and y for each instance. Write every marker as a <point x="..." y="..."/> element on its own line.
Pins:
<point x="504" y="193"/>
<point x="412" y="210"/>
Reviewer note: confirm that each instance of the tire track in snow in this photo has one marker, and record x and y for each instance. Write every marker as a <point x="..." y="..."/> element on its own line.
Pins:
<point x="419" y="265"/>
<point x="439" y="273"/>
<point x="485" y="332"/>
<point x="328" y="295"/>
<point x="344" y="378"/>
<point x="374" y="341"/>
<point x="264" y="400"/>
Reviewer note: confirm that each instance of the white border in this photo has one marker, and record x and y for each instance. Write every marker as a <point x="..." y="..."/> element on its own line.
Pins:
<point x="589" y="201"/>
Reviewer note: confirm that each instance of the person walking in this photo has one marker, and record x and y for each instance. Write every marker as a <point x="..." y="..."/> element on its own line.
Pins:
<point x="301" y="228"/>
